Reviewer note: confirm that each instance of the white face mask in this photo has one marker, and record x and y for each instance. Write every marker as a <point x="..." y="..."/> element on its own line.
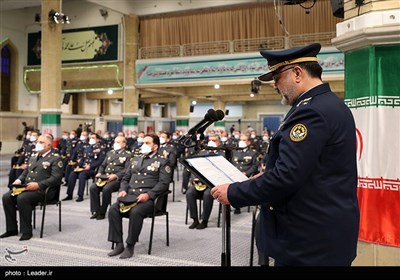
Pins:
<point x="65" y="137"/>
<point x="92" y="141"/>
<point x="211" y="144"/>
<point x="106" y="136"/>
<point x="242" y="144"/>
<point x="140" y="139"/>
<point x="32" y="138"/>
<point x="116" y="147"/>
<point x="253" y="136"/>
<point x="174" y="137"/>
<point x="39" y="147"/>
<point x="82" y="138"/>
<point x="145" y="149"/>
<point x="265" y="138"/>
<point x="237" y="136"/>
<point x="71" y="136"/>
<point x="224" y="139"/>
<point x="162" y="140"/>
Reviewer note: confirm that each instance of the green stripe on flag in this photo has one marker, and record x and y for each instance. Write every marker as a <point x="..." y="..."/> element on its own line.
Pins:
<point x="129" y="121"/>
<point x="51" y="119"/>
<point x="371" y="77"/>
<point x="219" y="124"/>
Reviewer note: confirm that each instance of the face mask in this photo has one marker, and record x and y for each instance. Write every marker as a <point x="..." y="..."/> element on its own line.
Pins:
<point x="133" y="136"/>
<point x="140" y="139"/>
<point x="162" y="140"/>
<point x="211" y="144"/>
<point x="65" y="137"/>
<point x="71" y="136"/>
<point x="242" y="144"/>
<point x="39" y="147"/>
<point x="92" y="141"/>
<point x="106" y="136"/>
<point x="117" y="146"/>
<point x="265" y="138"/>
<point x="237" y="136"/>
<point x="145" y="149"/>
<point x="32" y="138"/>
<point x="82" y="138"/>
<point x="253" y="136"/>
<point x="112" y="135"/>
<point x="174" y="137"/>
<point x="224" y="139"/>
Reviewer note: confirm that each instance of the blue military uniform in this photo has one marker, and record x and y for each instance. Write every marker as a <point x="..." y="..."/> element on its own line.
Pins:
<point x="308" y="195"/>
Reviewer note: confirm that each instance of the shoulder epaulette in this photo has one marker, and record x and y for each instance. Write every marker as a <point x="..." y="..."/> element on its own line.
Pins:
<point x="304" y="101"/>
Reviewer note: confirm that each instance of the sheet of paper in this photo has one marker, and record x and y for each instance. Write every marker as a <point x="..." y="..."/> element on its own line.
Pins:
<point x="217" y="169"/>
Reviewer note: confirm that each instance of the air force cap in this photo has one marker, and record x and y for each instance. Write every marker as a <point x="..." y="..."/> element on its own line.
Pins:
<point x="278" y="59"/>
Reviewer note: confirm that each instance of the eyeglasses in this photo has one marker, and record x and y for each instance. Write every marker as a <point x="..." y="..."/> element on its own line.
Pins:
<point x="276" y="77"/>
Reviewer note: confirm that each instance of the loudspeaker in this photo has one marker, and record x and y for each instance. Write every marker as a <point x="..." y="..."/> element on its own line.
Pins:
<point x="66" y="98"/>
<point x="191" y="108"/>
<point x="337" y="8"/>
<point x="226" y="112"/>
<point x="141" y="105"/>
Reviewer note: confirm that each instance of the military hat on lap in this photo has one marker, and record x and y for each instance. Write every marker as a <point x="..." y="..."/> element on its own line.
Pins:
<point x="102" y="180"/>
<point x="278" y="59"/>
<point x="127" y="202"/>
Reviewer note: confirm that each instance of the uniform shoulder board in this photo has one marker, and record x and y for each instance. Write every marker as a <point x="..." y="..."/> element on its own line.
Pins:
<point x="304" y="101"/>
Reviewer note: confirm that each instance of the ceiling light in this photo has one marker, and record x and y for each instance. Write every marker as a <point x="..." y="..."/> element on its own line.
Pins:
<point x="110" y="91"/>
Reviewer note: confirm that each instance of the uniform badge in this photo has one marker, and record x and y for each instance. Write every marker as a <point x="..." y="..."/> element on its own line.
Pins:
<point x="60" y="164"/>
<point x="45" y="164"/>
<point x="167" y="169"/>
<point x="298" y="132"/>
<point x="122" y="159"/>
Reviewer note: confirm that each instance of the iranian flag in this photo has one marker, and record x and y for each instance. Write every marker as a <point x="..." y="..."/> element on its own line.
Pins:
<point x="372" y="91"/>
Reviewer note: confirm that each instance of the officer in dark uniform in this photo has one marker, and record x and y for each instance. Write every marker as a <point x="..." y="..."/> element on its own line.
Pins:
<point x="45" y="169"/>
<point x="308" y="194"/>
<point x="147" y="177"/>
<point x="92" y="158"/>
<point x="245" y="159"/>
<point x="114" y="166"/>
<point x="198" y="190"/>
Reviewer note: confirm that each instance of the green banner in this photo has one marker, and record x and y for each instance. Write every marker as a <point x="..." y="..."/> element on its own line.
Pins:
<point x="80" y="45"/>
<point x="129" y="121"/>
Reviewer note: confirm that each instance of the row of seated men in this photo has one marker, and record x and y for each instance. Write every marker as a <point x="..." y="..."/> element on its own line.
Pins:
<point x="143" y="175"/>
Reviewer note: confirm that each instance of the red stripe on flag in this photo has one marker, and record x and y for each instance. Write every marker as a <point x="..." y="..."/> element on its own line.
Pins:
<point x="379" y="201"/>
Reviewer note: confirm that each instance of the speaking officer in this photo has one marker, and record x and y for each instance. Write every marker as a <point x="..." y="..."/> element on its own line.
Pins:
<point x="45" y="169"/>
<point x="308" y="194"/>
<point x="147" y="177"/>
<point x="114" y="167"/>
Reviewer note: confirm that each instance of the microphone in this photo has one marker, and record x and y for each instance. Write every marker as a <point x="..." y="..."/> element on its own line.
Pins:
<point x="210" y="117"/>
<point x="219" y="115"/>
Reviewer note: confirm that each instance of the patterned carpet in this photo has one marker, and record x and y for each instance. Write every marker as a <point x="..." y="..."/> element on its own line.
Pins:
<point x="83" y="242"/>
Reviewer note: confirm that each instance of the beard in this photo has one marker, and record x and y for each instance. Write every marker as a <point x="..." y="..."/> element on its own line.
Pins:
<point x="284" y="100"/>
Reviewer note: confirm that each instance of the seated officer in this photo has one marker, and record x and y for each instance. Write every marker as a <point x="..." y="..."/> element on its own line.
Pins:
<point x="93" y="156"/>
<point x="45" y="169"/>
<point x="147" y="177"/>
<point x="245" y="159"/>
<point x="194" y="192"/>
<point x="113" y="167"/>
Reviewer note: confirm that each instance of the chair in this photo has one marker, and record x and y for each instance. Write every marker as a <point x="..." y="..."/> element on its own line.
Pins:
<point x="48" y="201"/>
<point x="160" y="209"/>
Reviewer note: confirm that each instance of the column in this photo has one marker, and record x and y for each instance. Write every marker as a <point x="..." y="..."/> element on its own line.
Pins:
<point x="50" y="81"/>
<point x="370" y="39"/>
<point x="219" y="105"/>
<point x="182" y="114"/>
<point x="130" y="112"/>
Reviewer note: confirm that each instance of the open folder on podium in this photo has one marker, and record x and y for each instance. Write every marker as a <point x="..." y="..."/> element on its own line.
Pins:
<point x="213" y="170"/>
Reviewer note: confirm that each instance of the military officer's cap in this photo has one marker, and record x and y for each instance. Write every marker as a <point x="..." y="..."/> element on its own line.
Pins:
<point x="102" y="180"/>
<point x="17" y="189"/>
<point x="127" y="202"/>
<point x="278" y="59"/>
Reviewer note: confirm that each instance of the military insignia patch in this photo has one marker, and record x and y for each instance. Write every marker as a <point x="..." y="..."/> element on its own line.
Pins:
<point x="60" y="164"/>
<point x="168" y="169"/>
<point x="298" y="132"/>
